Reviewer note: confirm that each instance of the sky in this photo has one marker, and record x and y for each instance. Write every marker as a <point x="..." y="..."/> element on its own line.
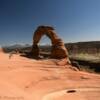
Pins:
<point x="74" y="20"/>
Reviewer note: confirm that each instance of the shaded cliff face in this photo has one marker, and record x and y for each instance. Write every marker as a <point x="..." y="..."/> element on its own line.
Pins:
<point x="84" y="47"/>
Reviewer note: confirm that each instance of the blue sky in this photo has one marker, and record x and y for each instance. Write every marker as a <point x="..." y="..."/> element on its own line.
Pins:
<point x="74" y="20"/>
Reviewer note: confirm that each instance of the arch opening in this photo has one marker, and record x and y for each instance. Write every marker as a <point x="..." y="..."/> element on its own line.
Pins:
<point x="45" y="41"/>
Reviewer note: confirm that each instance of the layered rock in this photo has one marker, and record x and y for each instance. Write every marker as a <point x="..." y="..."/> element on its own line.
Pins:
<point x="91" y="47"/>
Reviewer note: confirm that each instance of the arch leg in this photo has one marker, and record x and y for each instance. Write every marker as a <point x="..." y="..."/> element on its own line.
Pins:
<point x="35" y="51"/>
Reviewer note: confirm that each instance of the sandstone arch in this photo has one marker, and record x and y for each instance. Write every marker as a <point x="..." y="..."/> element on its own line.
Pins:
<point x="58" y="50"/>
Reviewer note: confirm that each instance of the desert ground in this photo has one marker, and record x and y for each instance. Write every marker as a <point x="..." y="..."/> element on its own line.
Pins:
<point x="23" y="78"/>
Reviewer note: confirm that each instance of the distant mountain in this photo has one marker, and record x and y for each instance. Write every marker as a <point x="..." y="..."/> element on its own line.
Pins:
<point x="14" y="47"/>
<point x="17" y="46"/>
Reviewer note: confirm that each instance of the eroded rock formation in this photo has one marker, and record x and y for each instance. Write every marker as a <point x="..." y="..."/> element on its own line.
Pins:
<point x="58" y="50"/>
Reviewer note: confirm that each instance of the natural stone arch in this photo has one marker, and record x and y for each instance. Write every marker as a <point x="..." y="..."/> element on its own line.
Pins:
<point x="58" y="49"/>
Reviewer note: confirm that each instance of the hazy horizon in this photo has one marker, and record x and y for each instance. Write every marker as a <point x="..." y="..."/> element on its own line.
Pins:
<point x="74" y="20"/>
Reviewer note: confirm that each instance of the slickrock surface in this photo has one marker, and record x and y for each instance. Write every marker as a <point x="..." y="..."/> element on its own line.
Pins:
<point x="29" y="79"/>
